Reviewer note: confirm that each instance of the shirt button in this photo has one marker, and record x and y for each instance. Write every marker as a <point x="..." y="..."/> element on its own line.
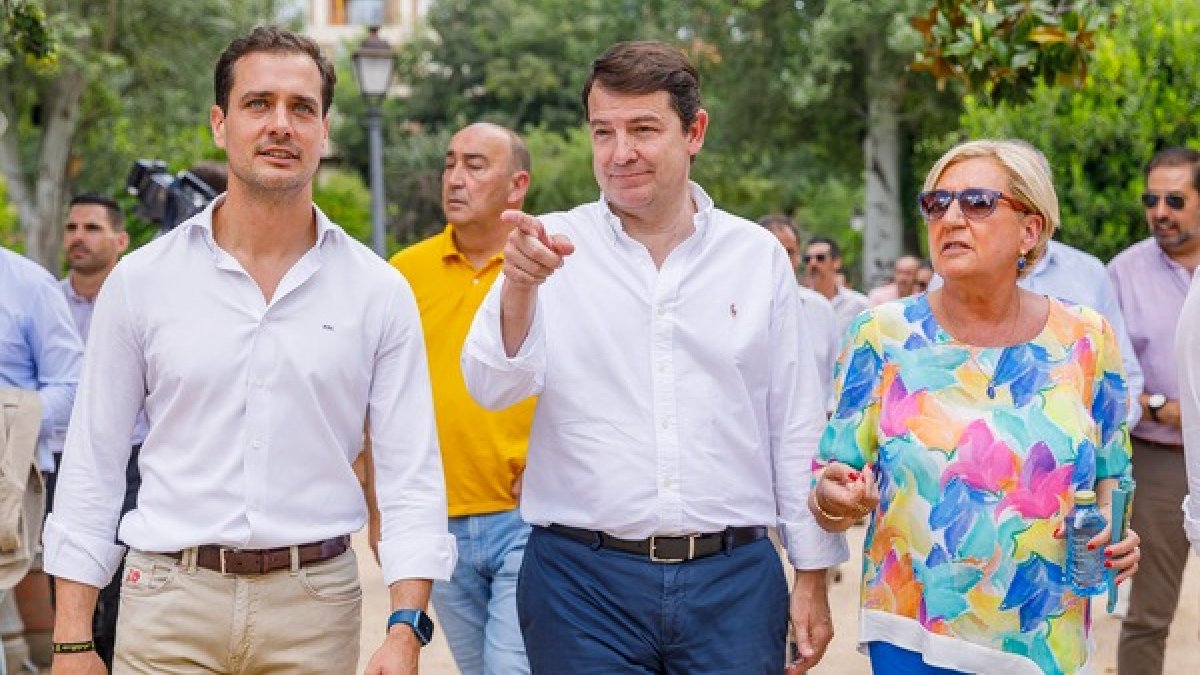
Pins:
<point x="475" y="282"/>
<point x="666" y="424"/>
<point x="256" y="444"/>
<point x="662" y="310"/>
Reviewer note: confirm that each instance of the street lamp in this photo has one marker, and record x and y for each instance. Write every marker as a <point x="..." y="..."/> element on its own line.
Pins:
<point x="373" y="63"/>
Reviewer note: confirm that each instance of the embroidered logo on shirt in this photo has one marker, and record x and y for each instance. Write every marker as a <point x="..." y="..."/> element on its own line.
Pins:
<point x="328" y="327"/>
<point x="733" y="310"/>
<point x="133" y="576"/>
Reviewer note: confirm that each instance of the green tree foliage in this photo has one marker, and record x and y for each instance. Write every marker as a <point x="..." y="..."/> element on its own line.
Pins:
<point x="1141" y="95"/>
<point x="10" y="226"/>
<point x="1003" y="48"/>
<point x="344" y="198"/>
<point x="25" y="34"/>
<point x="129" y="79"/>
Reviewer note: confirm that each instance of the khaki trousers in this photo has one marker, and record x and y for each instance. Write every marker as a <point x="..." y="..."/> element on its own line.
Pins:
<point x="1158" y="518"/>
<point x="178" y="618"/>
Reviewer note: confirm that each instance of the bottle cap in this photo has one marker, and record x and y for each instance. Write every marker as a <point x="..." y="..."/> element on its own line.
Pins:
<point x="1085" y="497"/>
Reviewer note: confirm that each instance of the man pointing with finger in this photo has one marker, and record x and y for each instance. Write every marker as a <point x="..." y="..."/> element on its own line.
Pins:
<point x="679" y="406"/>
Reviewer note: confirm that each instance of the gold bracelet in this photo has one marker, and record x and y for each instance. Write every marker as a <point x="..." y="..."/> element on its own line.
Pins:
<point x="816" y="500"/>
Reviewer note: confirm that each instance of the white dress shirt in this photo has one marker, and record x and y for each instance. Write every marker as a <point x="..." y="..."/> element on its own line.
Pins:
<point x="671" y="401"/>
<point x="817" y="320"/>
<point x="1187" y="354"/>
<point x="256" y="409"/>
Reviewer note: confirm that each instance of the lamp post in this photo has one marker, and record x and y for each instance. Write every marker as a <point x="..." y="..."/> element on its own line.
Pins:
<point x="373" y="63"/>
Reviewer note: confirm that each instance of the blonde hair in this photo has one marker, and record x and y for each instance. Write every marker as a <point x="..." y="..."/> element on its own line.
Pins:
<point x="1029" y="180"/>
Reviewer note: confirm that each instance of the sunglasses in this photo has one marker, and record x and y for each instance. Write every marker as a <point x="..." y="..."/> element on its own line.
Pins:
<point x="819" y="257"/>
<point x="1174" y="201"/>
<point x="975" y="203"/>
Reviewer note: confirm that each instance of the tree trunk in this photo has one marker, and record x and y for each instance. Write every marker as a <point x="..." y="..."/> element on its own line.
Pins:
<point x="884" y="230"/>
<point x="43" y="234"/>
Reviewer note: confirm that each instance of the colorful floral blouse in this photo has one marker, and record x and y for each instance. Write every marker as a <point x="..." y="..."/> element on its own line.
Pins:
<point x="978" y="452"/>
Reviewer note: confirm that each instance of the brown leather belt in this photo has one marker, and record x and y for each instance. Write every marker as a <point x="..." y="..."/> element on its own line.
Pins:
<point x="260" y="561"/>
<point x="667" y="548"/>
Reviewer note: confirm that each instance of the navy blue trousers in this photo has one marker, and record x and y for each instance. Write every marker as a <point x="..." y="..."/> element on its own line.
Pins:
<point x="593" y="611"/>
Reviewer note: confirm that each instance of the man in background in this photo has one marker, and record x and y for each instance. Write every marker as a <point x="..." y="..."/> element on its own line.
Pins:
<point x="816" y="313"/>
<point x="485" y="172"/>
<point x="904" y="274"/>
<point x="822" y="264"/>
<point x="1152" y="279"/>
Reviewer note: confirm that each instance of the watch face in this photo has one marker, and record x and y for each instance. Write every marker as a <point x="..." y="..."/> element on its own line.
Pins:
<point x="424" y="628"/>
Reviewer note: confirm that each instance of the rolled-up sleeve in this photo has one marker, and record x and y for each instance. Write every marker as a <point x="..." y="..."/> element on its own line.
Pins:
<point x="80" y="534"/>
<point x="494" y="380"/>
<point x="795" y="413"/>
<point x="409" y="484"/>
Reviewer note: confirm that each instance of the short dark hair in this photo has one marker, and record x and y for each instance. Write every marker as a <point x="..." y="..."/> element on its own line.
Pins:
<point x="644" y="68"/>
<point x="834" y="249"/>
<point x="274" y="40"/>
<point x="1177" y="157"/>
<point x="776" y="222"/>
<point x="116" y="217"/>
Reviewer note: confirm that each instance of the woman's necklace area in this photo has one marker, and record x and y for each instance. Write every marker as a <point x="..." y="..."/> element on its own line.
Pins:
<point x="1013" y="322"/>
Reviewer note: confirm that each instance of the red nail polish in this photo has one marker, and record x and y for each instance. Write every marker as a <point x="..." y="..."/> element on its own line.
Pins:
<point x="853" y="475"/>
<point x="1108" y="552"/>
<point x="1091" y="547"/>
<point x="1108" y="563"/>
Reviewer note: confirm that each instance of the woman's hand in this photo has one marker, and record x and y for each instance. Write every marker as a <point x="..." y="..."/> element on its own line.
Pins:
<point x="1122" y="556"/>
<point x="843" y="495"/>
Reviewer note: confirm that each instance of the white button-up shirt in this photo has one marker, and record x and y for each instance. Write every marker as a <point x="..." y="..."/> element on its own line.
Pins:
<point x="671" y="401"/>
<point x="256" y="409"/>
<point x="1187" y="353"/>
<point x="81" y="311"/>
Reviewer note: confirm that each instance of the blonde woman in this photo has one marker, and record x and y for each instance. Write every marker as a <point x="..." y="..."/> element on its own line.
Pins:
<point x="966" y="418"/>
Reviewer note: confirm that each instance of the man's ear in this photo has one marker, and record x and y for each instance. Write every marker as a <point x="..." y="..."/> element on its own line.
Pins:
<point x="518" y="189"/>
<point x="216" y="119"/>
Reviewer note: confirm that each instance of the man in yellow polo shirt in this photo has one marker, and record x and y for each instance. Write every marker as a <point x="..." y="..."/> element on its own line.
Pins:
<point x="486" y="171"/>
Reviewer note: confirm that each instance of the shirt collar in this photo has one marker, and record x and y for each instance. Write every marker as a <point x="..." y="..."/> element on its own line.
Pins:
<point x="451" y="251"/>
<point x="704" y="212"/>
<point x="203" y="224"/>
<point x="69" y="290"/>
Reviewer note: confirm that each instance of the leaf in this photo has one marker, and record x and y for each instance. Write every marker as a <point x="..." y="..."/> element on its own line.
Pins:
<point x="1045" y="35"/>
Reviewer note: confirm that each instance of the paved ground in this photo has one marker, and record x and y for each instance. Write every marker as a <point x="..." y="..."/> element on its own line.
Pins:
<point x="1183" y="649"/>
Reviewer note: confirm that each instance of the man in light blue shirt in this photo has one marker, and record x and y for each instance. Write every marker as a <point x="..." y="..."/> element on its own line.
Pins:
<point x="39" y="347"/>
<point x="39" y="350"/>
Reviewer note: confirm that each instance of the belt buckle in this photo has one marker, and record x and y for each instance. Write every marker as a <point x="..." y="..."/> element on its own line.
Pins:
<point x="691" y="552"/>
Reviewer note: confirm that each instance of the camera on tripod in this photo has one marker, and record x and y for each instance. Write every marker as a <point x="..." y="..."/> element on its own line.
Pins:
<point x="165" y="199"/>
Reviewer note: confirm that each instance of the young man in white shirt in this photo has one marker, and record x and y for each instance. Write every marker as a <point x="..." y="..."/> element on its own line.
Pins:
<point x="260" y="339"/>
<point x="679" y="406"/>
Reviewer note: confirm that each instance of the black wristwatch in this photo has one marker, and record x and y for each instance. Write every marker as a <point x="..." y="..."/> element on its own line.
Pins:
<point x="1154" y="403"/>
<point x="416" y="619"/>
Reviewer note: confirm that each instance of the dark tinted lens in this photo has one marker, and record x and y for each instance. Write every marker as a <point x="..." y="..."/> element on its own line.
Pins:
<point x="1174" y="201"/>
<point x="976" y="203"/>
<point x="934" y="203"/>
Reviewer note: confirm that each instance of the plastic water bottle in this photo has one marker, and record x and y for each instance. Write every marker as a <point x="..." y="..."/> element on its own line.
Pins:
<point x="1085" y="569"/>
